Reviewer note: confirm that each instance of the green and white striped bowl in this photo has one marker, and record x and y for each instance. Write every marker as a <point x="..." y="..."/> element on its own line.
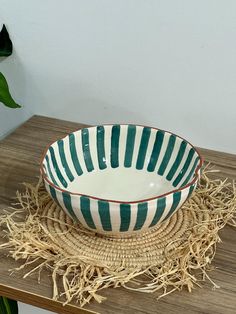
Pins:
<point x="119" y="179"/>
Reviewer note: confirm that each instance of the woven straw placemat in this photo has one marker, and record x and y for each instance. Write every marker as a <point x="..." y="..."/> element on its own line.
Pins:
<point x="176" y="254"/>
<point x="141" y="250"/>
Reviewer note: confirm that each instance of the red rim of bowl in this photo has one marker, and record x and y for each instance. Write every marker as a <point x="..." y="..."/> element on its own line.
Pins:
<point x="115" y="201"/>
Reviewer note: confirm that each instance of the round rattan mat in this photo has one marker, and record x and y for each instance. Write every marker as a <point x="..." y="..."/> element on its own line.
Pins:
<point x="144" y="249"/>
<point x="176" y="254"/>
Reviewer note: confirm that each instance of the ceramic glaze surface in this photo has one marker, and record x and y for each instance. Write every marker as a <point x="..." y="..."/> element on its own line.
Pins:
<point x="120" y="178"/>
<point x="127" y="184"/>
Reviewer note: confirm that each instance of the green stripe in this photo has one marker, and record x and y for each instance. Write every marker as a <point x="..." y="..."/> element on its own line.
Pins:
<point x="101" y="148"/>
<point x="161" y="205"/>
<point x="141" y="216"/>
<point x="167" y="156"/>
<point x="115" y="146"/>
<point x="186" y="181"/>
<point x="156" y="151"/>
<point x="68" y="205"/>
<point x="185" y="168"/>
<point x="74" y="155"/>
<point x="57" y="170"/>
<point x="50" y="171"/>
<point x="130" y="145"/>
<point x="125" y="214"/>
<point x="104" y="213"/>
<point x="60" y="144"/>
<point x="53" y="193"/>
<point x="177" y="162"/>
<point x="86" y="150"/>
<point x="143" y="148"/>
<point x="85" y="209"/>
<point x="191" y="190"/>
<point x="176" y="200"/>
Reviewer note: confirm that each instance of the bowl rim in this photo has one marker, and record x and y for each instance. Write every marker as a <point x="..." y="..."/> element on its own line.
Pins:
<point x="193" y="181"/>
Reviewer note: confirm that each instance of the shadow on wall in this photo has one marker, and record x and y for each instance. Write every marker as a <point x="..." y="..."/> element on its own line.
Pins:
<point x="85" y="102"/>
<point x="95" y="111"/>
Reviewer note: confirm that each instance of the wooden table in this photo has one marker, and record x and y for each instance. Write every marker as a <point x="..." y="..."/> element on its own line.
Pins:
<point x="19" y="161"/>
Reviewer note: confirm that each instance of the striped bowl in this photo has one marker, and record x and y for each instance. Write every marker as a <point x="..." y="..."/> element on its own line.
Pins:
<point x="120" y="179"/>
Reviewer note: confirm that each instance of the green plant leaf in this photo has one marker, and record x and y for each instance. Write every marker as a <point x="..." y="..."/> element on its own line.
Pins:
<point x="5" y="96"/>
<point x="8" y="306"/>
<point x="5" y="43"/>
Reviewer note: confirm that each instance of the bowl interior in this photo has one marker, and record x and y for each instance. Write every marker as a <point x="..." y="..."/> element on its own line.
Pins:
<point x="121" y="162"/>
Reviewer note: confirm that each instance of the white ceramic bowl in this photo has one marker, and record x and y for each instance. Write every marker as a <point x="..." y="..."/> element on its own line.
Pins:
<point x="119" y="179"/>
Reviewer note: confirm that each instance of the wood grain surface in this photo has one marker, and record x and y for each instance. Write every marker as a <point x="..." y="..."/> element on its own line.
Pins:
<point x="20" y="154"/>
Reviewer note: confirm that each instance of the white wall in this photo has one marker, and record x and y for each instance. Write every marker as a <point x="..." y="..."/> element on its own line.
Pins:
<point x="170" y="64"/>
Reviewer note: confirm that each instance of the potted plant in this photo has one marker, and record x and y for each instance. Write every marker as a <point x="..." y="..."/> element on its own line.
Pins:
<point x="5" y="51"/>
<point x="7" y="306"/>
<point x="5" y="96"/>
